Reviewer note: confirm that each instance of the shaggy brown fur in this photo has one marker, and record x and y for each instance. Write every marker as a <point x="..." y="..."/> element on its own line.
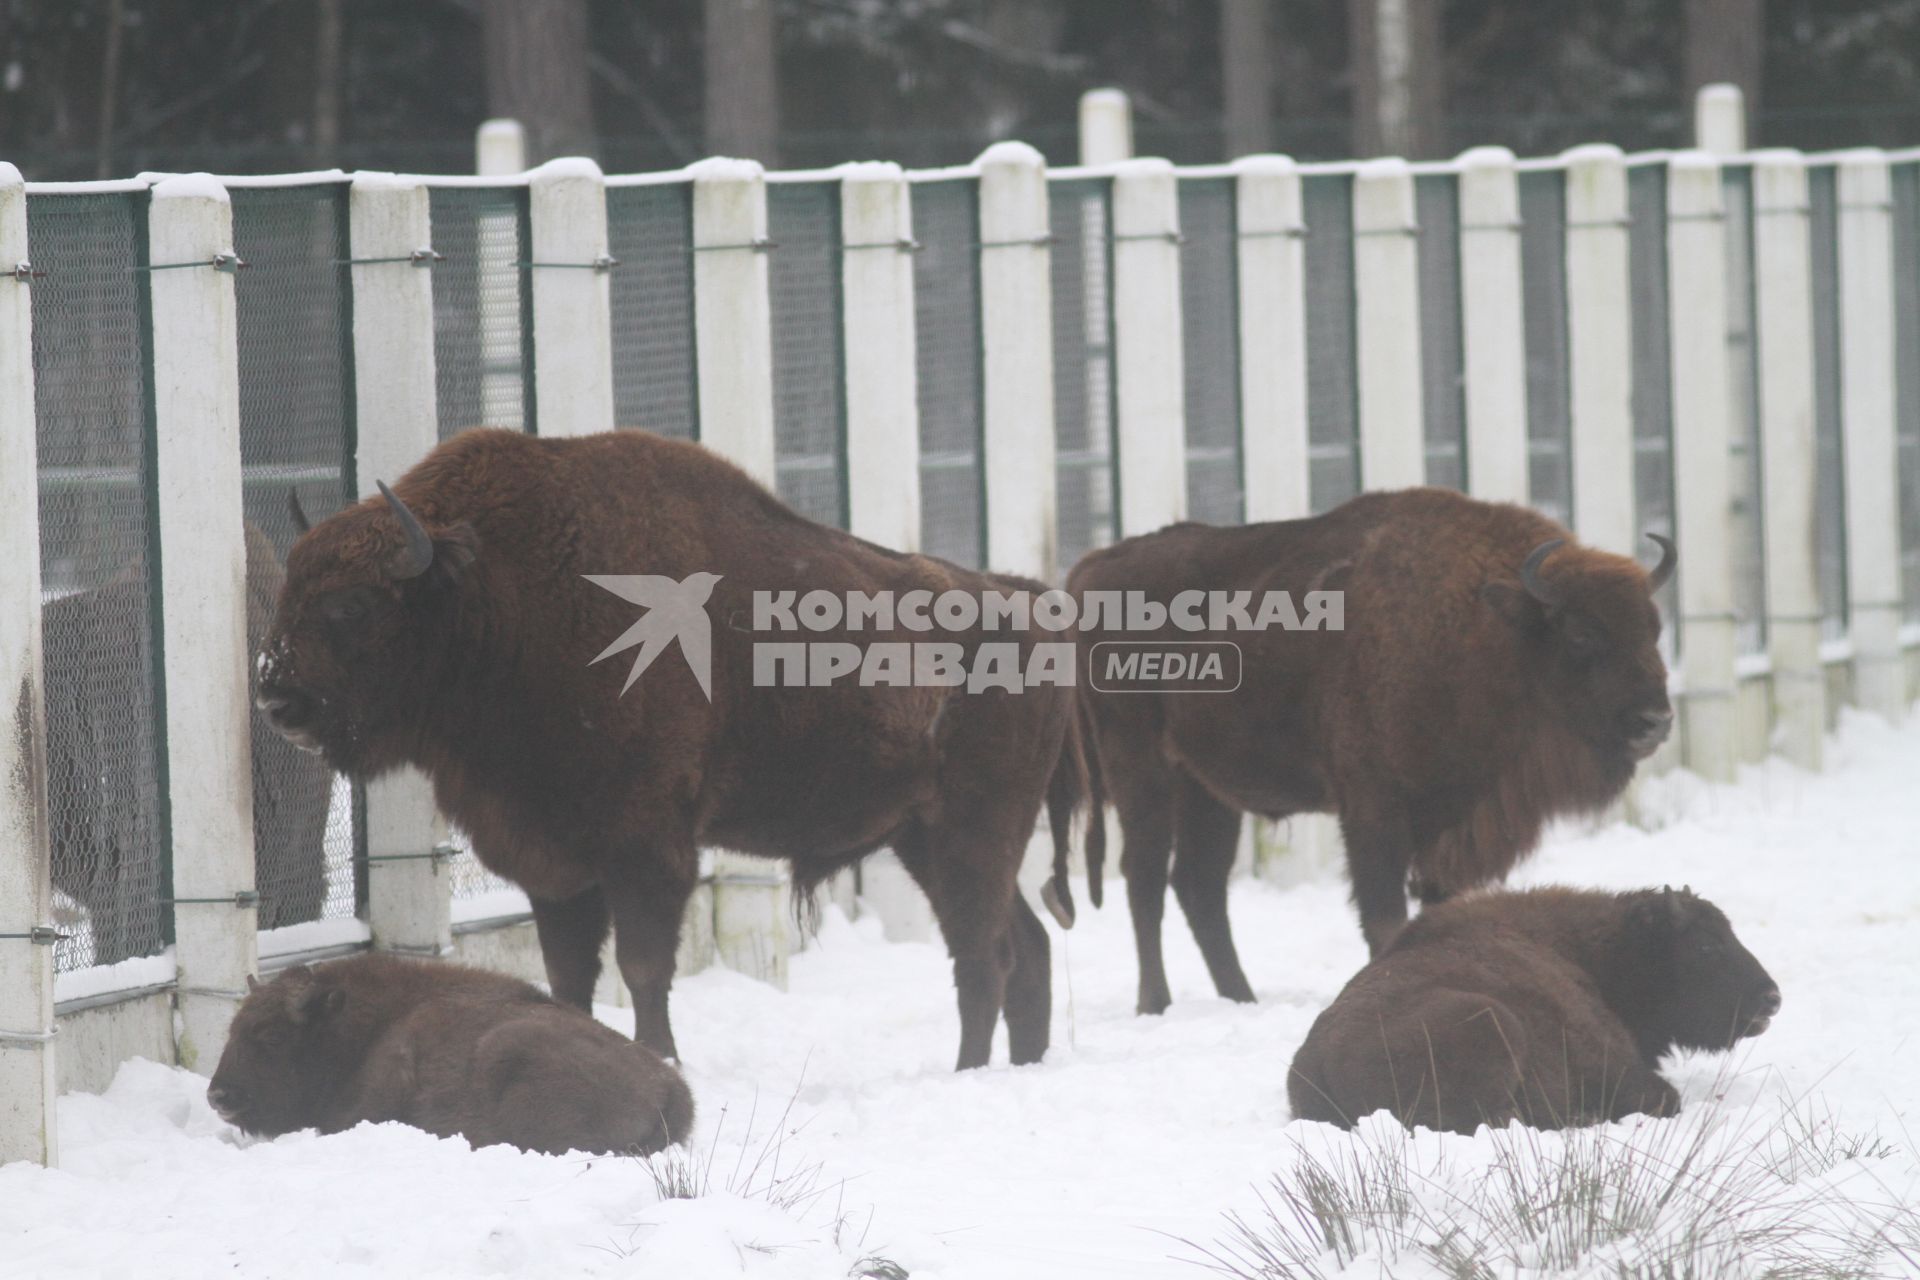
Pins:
<point x="481" y="672"/>
<point x="458" y="1052"/>
<point x="1551" y="1007"/>
<point x="1454" y="714"/>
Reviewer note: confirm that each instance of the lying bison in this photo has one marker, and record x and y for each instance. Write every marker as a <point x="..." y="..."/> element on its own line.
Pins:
<point x="451" y="626"/>
<point x="1490" y="675"/>
<point x="1551" y="1007"/>
<point x="458" y="1052"/>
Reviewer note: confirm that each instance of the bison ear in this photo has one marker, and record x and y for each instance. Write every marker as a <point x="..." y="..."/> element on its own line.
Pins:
<point x="318" y="1002"/>
<point x="253" y="984"/>
<point x="1514" y="603"/>
<point x="455" y="548"/>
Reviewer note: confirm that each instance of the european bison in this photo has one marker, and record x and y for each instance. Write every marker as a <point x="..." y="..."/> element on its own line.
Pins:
<point x="1551" y="1007"/>
<point x="1490" y="675"/>
<point x="452" y="627"/>
<point x="458" y="1052"/>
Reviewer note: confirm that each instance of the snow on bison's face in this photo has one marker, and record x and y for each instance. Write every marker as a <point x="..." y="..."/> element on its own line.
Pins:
<point x="1709" y="991"/>
<point x="269" y="1077"/>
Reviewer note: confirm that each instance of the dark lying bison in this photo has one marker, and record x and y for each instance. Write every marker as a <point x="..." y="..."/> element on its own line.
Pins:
<point x="1551" y="1007"/>
<point x="1490" y="675"/>
<point x="458" y="1052"/>
<point x="452" y="627"/>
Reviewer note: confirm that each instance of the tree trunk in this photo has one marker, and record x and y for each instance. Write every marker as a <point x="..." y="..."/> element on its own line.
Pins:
<point x="109" y="91"/>
<point x="742" y="84"/>
<point x="536" y="52"/>
<point x="327" y="40"/>
<point x="1246" y="75"/>
<point x="1725" y="45"/>
<point x="1398" y="93"/>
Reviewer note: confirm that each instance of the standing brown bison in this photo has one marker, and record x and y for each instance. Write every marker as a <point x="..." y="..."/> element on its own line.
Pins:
<point x="1490" y="675"/>
<point x="1551" y="1007"/>
<point x="458" y="1052"/>
<point x="451" y="627"/>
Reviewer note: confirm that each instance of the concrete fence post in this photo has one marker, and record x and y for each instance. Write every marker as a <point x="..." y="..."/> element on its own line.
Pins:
<point x="572" y="305"/>
<point x="409" y="885"/>
<point x="1720" y="119"/>
<point x="1492" y="326"/>
<point x="1783" y="309"/>
<point x="203" y="570"/>
<point x="733" y="317"/>
<point x="1151" y="393"/>
<point x="1870" y="445"/>
<point x="1702" y="409"/>
<point x="1106" y="127"/>
<point x="1271" y="270"/>
<point x="27" y="1076"/>
<point x="1600" y="349"/>
<point x="499" y="148"/>
<point x="1386" y="275"/>
<point x="1016" y="338"/>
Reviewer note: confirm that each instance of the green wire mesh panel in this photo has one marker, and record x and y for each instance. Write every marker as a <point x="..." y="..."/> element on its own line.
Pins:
<point x="1442" y="346"/>
<point x="1543" y="295"/>
<point x="946" y="320"/>
<point x="483" y="361"/>
<point x="1086" y="515"/>
<point x="650" y="230"/>
<point x="1829" y="480"/>
<point x="809" y="410"/>
<point x="105" y="816"/>
<point x="1744" y="496"/>
<point x="1652" y="391"/>
<point x="295" y="339"/>
<point x="1333" y="389"/>
<point x="1210" y="340"/>
<point x="1906" y="330"/>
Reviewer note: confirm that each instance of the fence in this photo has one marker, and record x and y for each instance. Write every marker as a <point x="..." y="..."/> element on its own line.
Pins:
<point x="1724" y="348"/>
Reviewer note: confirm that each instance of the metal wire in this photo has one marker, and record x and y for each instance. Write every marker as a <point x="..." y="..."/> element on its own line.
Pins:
<point x="946" y="318"/>
<point x="1906" y="329"/>
<point x="1442" y="346"/>
<point x="1829" y="477"/>
<point x="483" y="363"/>
<point x="1543" y="293"/>
<point x="1210" y="341"/>
<point x="650" y="229"/>
<point x="1652" y="390"/>
<point x="1080" y="217"/>
<point x="1333" y="406"/>
<point x="809" y="411"/>
<point x="1747" y="535"/>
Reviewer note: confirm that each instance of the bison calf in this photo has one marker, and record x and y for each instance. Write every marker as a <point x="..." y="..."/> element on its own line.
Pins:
<point x="1551" y="1007"/>
<point x="451" y="1050"/>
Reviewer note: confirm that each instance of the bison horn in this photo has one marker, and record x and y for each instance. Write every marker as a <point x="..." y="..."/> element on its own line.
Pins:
<point x="1530" y="572"/>
<point x="418" y="556"/>
<point x="1657" y="577"/>
<point x="296" y="511"/>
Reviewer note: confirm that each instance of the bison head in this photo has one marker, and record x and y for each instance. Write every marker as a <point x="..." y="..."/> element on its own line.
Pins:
<point x="369" y="594"/>
<point x="1703" y="990"/>
<point x="270" y="1077"/>
<point x="1591" y="634"/>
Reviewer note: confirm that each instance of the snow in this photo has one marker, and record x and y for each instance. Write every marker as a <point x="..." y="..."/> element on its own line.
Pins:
<point x="724" y="169"/>
<point x="189" y="186"/>
<point x="491" y="904"/>
<point x="1135" y="1135"/>
<point x="566" y="168"/>
<point x="127" y="975"/>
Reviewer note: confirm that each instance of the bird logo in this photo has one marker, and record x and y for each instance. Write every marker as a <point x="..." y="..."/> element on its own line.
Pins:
<point x="674" y="611"/>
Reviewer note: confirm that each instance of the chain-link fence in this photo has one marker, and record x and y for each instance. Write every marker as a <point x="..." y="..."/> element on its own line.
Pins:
<point x="1906" y="331"/>
<point x="1210" y="342"/>
<point x="1543" y="293"/>
<point x="1443" y="377"/>
<point x="482" y="308"/>
<point x="1333" y="387"/>
<point x="947" y="359"/>
<point x="1829" y="479"/>
<point x="1652" y="364"/>
<point x="650" y="232"/>
<point x="107" y="822"/>
<point x="1086" y="509"/>
<point x="809" y="405"/>
<point x="1744" y="495"/>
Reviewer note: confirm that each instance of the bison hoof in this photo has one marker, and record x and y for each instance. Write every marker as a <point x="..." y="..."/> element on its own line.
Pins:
<point x="1059" y="902"/>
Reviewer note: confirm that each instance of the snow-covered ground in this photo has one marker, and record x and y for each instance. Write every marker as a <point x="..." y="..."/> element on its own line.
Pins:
<point x="1136" y="1134"/>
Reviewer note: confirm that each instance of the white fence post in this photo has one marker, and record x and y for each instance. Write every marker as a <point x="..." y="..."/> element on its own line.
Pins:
<point x="1386" y="276"/>
<point x="1720" y="119"/>
<point x="1492" y="326"/>
<point x="1151" y="409"/>
<point x="203" y="570"/>
<point x="733" y="317"/>
<point x="409" y="885"/>
<point x="1697" y="317"/>
<point x="1600" y="348"/>
<point x="1783" y="309"/>
<point x="572" y="307"/>
<point x="1271" y="273"/>
<point x="27" y="1076"/>
<point x="499" y="148"/>
<point x="1016" y="339"/>
<point x="1106" y="127"/>
<point x="1870" y="446"/>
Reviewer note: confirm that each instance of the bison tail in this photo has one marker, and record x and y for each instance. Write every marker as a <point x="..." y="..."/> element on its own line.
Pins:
<point x="1096" y="808"/>
<point x="1066" y="791"/>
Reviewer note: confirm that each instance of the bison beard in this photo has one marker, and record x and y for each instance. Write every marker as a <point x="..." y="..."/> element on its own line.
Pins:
<point x="450" y="627"/>
<point x="458" y="1052"/>
<point x="1490" y="675"/>
<point x="1551" y="1007"/>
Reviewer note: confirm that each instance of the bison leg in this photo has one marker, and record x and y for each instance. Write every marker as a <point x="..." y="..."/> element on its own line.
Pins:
<point x="1206" y="836"/>
<point x="1029" y="1008"/>
<point x="1146" y="827"/>
<point x="648" y="897"/>
<point x="1379" y="850"/>
<point x="571" y="932"/>
<point x="971" y="889"/>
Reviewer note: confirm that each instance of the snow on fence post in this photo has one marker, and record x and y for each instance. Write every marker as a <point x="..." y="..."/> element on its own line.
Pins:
<point x="733" y="317"/>
<point x="1016" y="340"/>
<point x="27" y="1077"/>
<point x="409" y="885"/>
<point x="1386" y="276"/>
<point x="572" y="307"/>
<point x="1271" y="268"/>
<point x="1492" y="323"/>
<point x="1720" y="119"/>
<point x="1150" y="391"/>
<point x="1106" y="127"/>
<point x="1870" y="447"/>
<point x="1783" y="308"/>
<point x="499" y="148"/>
<point x="1600" y="348"/>
<point x="203" y="570"/>
<point x="1696" y="309"/>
